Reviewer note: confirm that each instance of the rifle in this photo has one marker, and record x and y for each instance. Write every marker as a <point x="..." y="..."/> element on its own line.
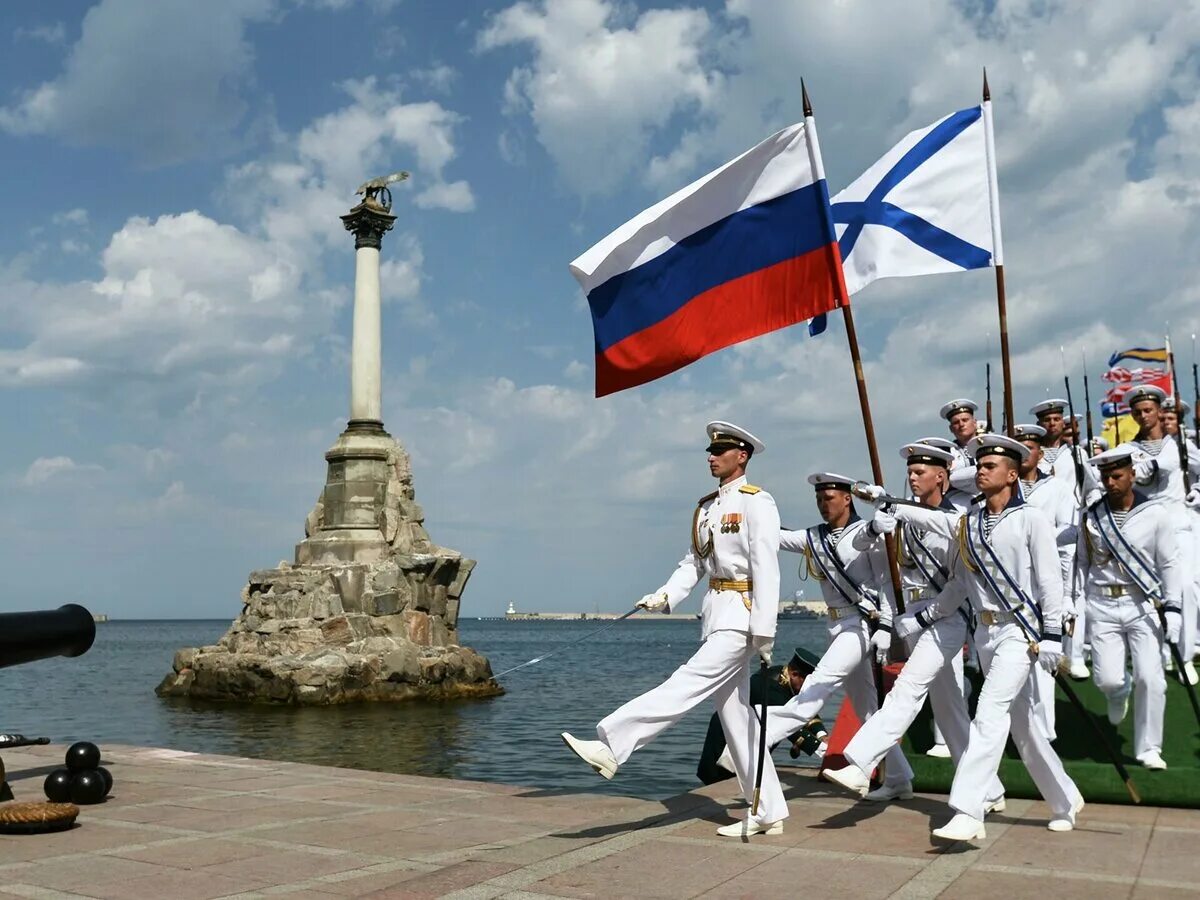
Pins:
<point x="988" y="409"/>
<point x="1081" y="497"/>
<point x="1087" y="402"/>
<point x="1180" y="435"/>
<point x="1196" y="403"/>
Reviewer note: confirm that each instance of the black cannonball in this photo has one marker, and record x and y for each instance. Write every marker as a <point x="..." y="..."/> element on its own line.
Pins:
<point x="83" y="755"/>
<point x="87" y="787"/>
<point x="107" y="776"/>
<point x="58" y="786"/>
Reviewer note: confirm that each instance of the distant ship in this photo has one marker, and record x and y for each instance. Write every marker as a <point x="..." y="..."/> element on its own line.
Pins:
<point x="800" y="609"/>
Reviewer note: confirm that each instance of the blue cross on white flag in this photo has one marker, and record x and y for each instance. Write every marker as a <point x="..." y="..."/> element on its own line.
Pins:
<point x="930" y="205"/>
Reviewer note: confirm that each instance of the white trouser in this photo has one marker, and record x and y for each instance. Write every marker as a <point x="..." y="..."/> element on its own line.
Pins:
<point x="1042" y="687"/>
<point x="720" y="670"/>
<point x="1191" y="592"/>
<point x="1076" y="641"/>
<point x="1118" y="623"/>
<point x="846" y="663"/>
<point x="1006" y="704"/>
<point x="934" y="668"/>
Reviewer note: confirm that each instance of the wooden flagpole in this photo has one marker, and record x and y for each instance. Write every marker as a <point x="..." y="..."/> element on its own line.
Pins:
<point x="860" y="380"/>
<point x="998" y="257"/>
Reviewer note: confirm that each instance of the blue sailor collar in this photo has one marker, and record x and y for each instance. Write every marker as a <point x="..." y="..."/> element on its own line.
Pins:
<point x="854" y="517"/>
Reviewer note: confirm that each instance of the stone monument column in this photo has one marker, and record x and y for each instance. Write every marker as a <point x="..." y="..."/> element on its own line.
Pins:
<point x="356" y="484"/>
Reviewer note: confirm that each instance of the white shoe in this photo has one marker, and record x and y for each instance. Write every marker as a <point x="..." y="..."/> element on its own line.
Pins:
<point x="1118" y="708"/>
<point x="595" y="753"/>
<point x="1189" y="669"/>
<point x="996" y="806"/>
<point x="748" y="827"/>
<point x="1067" y="823"/>
<point x="900" y="791"/>
<point x="938" y="751"/>
<point x="961" y="828"/>
<point x="850" y="777"/>
<point x="725" y="761"/>
<point x="1079" y="671"/>
<point x="1153" y="760"/>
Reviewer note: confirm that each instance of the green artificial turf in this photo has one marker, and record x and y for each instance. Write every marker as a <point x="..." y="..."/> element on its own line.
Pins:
<point x="1083" y="753"/>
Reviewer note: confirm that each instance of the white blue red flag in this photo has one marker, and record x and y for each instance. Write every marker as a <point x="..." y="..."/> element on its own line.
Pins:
<point x="747" y="249"/>
<point x="930" y="205"/>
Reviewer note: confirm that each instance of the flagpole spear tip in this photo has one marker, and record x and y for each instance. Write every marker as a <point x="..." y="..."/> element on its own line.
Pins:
<point x="804" y="95"/>
<point x="987" y="94"/>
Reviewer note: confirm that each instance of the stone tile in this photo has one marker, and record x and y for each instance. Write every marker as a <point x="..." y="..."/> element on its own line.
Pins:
<point x="288" y="866"/>
<point x="358" y="885"/>
<point x="1163" y="892"/>
<point x="83" y="837"/>
<point x="1103" y="848"/>
<point x="976" y="885"/>
<point x="653" y="869"/>
<point x="1173" y="856"/>
<point x="1179" y="818"/>
<point x="780" y="876"/>
<point x="85" y="873"/>
<point x="438" y="884"/>
<point x="535" y="850"/>
<point x="193" y="854"/>
<point x="456" y="834"/>
<point x="177" y="884"/>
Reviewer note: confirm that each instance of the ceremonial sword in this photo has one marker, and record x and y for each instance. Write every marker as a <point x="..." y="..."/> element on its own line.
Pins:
<point x="586" y="637"/>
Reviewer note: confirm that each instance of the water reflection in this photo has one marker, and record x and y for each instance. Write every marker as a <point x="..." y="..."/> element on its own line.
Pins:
<point x="107" y="695"/>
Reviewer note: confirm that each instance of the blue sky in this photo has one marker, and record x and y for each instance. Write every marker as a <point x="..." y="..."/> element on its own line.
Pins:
<point x="175" y="285"/>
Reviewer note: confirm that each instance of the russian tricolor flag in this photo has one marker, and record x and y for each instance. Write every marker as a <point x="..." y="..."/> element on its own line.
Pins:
<point x="747" y="249"/>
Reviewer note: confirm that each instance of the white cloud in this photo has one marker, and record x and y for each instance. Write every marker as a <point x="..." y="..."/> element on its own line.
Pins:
<point x="438" y="77"/>
<point x="77" y="216"/>
<point x="164" y="80"/>
<point x="53" y="34"/>
<point x="48" y="468"/>
<point x="600" y="89"/>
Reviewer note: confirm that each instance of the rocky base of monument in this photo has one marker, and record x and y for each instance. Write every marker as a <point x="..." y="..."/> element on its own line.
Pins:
<point x="319" y="635"/>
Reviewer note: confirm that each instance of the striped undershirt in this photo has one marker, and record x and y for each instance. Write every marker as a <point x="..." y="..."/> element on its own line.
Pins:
<point x="989" y="522"/>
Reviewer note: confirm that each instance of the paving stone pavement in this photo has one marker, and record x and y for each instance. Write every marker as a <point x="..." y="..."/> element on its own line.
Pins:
<point x="189" y="826"/>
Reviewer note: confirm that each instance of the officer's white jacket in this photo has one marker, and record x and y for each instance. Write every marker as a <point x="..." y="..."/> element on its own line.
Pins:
<point x="751" y="553"/>
<point x="862" y="556"/>
<point x="1149" y="530"/>
<point x="1024" y="541"/>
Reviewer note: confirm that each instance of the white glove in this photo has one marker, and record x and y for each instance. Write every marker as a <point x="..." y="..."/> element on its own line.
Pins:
<point x="1049" y="655"/>
<point x="653" y="602"/>
<point x="1174" y="625"/>
<point x="1193" y="498"/>
<point x="764" y="646"/>
<point x="906" y="626"/>
<point x="872" y="492"/>
<point x="881" y="642"/>
<point x="883" y="523"/>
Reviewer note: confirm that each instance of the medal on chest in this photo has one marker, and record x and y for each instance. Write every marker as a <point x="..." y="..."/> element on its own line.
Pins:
<point x="731" y="523"/>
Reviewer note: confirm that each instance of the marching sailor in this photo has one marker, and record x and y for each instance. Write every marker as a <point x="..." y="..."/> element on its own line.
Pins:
<point x="846" y="557"/>
<point x="935" y="663"/>
<point x="1059" y="448"/>
<point x="959" y="499"/>
<point x="960" y="418"/>
<point x="1128" y="549"/>
<point x="1007" y="564"/>
<point x="1056" y="497"/>
<point x="1159" y="467"/>
<point x="735" y="543"/>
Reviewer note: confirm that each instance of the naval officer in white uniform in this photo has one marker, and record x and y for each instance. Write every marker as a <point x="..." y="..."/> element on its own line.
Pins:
<point x="1008" y="566"/>
<point x="1128" y="550"/>
<point x="735" y="546"/>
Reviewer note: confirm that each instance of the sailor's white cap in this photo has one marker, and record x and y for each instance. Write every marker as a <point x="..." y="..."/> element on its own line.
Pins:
<point x="1146" y="392"/>
<point x="940" y="442"/>
<point x="1184" y="409"/>
<point x="1110" y="458"/>
<point x="997" y="445"/>
<point x="726" y="435"/>
<point x="825" y="480"/>
<point x="1048" y="406"/>
<point x="921" y="452"/>
<point x="948" y="410"/>
<point x="1029" y="433"/>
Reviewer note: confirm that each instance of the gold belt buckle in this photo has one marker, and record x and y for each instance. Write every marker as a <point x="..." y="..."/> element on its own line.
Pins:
<point x="987" y="617"/>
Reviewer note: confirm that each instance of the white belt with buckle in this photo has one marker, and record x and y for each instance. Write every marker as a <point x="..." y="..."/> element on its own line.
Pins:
<point x="840" y="612"/>
<point x="999" y="617"/>
<point x="913" y="594"/>
<point x="1114" y="590"/>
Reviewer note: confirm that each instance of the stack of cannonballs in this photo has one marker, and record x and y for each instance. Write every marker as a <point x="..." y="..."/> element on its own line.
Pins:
<point x="83" y="781"/>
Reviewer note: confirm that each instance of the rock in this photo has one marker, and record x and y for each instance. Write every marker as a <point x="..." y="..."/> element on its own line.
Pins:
<point x="366" y="629"/>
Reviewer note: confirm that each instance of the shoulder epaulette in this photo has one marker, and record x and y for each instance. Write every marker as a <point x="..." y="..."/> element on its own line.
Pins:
<point x="749" y="489"/>
<point x="706" y="498"/>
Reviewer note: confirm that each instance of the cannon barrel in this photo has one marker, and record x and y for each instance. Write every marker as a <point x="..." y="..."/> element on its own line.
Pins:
<point x="28" y="636"/>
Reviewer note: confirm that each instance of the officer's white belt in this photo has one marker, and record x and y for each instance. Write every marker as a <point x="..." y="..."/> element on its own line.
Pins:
<point x="1000" y="617"/>
<point x="1113" y="590"/>
<point x="841" y="612"/>
<point x="913" y="594"/>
